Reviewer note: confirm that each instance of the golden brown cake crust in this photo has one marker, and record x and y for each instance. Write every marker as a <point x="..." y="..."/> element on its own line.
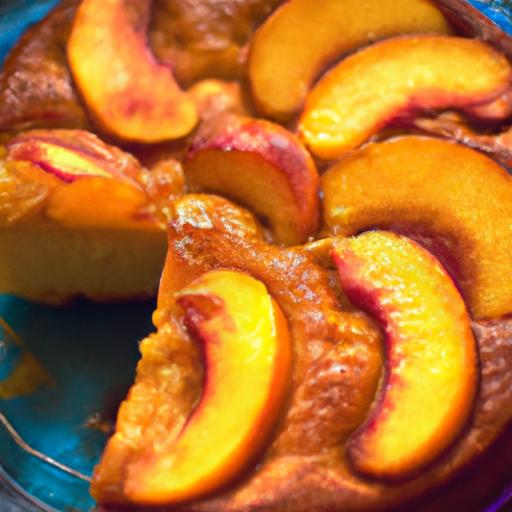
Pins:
<point x="35" y="84"/>
<point x="334" y="381"/>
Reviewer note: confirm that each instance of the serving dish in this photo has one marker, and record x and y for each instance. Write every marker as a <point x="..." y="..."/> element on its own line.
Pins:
<point x="65" y="417"/>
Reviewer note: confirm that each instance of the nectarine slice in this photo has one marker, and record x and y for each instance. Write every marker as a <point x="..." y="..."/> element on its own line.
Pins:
<point x="430" y="352"/>
<point x="130" y="94"/>
<point x="448" y="197"/>
<point x="283" y="62"/>
<point x="111" y="179"/>
<point x="386" y="80"/>
<point x="261" y="165"/>
<point x="98" y="202"/>
<point x="247" y="357"/>
<point x="71" y="154"/>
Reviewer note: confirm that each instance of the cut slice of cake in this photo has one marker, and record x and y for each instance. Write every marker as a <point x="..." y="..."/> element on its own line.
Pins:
<point x="80" y="218"/>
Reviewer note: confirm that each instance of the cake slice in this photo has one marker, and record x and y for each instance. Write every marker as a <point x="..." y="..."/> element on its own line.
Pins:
<point x="80" y="218"/>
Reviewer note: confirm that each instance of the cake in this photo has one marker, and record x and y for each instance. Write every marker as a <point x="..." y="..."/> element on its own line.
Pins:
<point x="80" y="218"/>
<point x="333" y="326"/>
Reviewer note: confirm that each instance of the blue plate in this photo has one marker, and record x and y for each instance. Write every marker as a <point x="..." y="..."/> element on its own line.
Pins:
<point x="78" y="362"/>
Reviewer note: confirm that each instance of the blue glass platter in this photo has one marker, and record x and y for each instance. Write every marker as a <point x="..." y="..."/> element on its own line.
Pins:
<point x="79" y="361"/>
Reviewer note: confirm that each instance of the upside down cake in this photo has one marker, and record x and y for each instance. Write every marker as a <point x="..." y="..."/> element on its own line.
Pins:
<point x="325" y="187"/>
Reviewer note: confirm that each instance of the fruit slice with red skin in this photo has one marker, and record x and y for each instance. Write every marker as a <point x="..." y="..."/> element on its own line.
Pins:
<point x="260" y="165"/>
<point x="399" y="76"/>
<point x="129" y="93"/>
<point x="247" y="356"/>
<point x="450" y="198"/>
<point x="71" y="154"/>
<point x="88" y="173"/>
<point x="431" y="359"/>
<point x="283" y="63"/>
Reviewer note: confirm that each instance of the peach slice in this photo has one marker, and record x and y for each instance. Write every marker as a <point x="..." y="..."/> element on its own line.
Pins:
<point x="130" y="94"/>
<point x="101" y="203"/>
<point x="283" y="63"/>
<point x="430" y="351"/>
<point x="391" y="78"/>
<point x="448" y="197"/>
<point x="71" y="154"/>
<point x="111" y="179"/>
<point x="247" y="357"/>
<point x="262" y="166"/>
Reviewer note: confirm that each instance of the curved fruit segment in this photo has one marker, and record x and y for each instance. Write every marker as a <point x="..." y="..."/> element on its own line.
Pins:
<point x="130" y="94"/>
<point x="450" y="198"/>
<point x="431" y="354"/>
<point x="283" y="63"/>
<point x="71" y="154"/>
<point x="247" y="358"/>
<point x="262" y="166"/>
<point x="386" y="80"/>
<point x="102" y="203"/>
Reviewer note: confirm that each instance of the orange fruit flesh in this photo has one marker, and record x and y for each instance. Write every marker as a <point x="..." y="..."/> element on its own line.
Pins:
<point x="372" y="87"/>
<point x="247" y="354"/>
<point x="431" y="356"/>
<point x="452" y="198"/>
<point x="140" y="100"/>
<point x="250" y="180"/>
<point x="283" y="63"/>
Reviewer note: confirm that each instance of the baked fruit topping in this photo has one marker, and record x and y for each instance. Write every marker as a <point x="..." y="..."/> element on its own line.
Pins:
<point x="196" y="40"/>
<point x="360" y="371"/>
<point x="394" y="78"/>
<point x="335" y="377"/>
<point x="452" y="199"/>
<point x="246" y="346"/>
<point x="130" y="94"/>
<point x="71" y="154"/>
<point x="261" y="165"/>
<point x="318" y="333"/>
<point x="430" y="352"/>
<point x="283" y="63"/>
